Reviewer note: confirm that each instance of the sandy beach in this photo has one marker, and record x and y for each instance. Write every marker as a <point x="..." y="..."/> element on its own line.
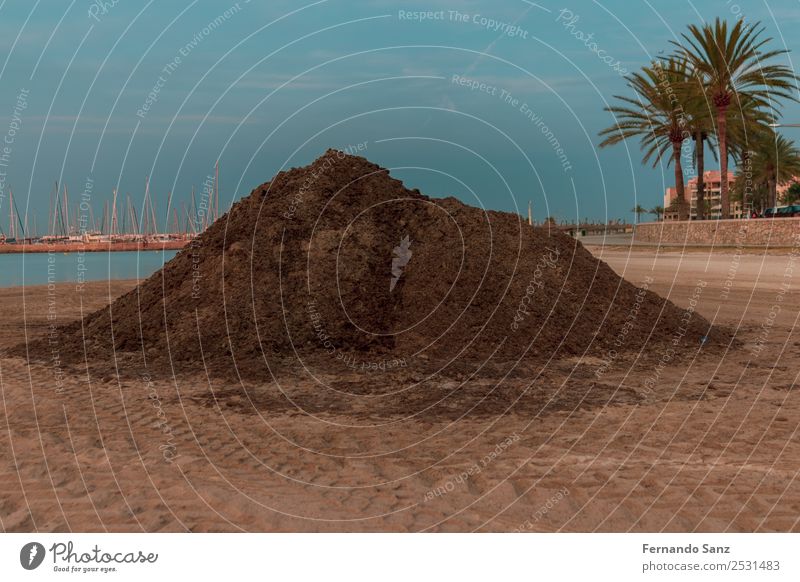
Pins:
<point x="713" y="448"/>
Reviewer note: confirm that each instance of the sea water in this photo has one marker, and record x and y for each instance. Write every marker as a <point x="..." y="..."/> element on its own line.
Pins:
<point x="58" y="267"/>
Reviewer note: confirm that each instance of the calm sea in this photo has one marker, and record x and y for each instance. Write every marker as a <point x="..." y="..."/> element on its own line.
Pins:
<point x="32" y="268"/>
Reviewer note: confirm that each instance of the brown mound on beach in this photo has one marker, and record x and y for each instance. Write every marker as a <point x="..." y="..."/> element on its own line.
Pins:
<point x="339" y="265"/>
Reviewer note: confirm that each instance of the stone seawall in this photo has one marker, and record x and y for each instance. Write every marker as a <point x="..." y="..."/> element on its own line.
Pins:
<point x="779" y="232"/>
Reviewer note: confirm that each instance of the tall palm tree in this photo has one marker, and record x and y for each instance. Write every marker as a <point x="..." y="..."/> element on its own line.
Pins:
<point x="750" y="189"/>
<point x="638" y="210"/>
<point x="777" y="161"/>
<point x="748" y="130"/>
<point x="700" y="136"/>
<point x="699" y="115"/>
<point x="732" y="62"/>
<point x="748" y="124"/>
<point x="658" y="211"/>
<point x="656" y="117"/>
<point x="792" y="194"/>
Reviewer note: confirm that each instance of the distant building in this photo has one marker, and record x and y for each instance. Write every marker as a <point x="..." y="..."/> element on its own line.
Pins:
<point x="712" y="196"/>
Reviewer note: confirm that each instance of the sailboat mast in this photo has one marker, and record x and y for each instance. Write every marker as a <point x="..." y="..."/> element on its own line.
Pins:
<point x="12" y="229"/>
<point x="153" y="217"/>
<point x="114" y="214"/>
<point x="66" y="211"/>
<point x="145" y="218"/>
<point x="166" y="213"/>
<point x="216" y="191"/>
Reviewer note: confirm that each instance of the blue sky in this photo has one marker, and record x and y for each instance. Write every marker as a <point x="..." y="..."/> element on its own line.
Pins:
<point x="263" y="86"/>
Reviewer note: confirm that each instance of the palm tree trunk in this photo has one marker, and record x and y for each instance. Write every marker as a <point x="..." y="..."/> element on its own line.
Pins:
<point x="773" y="193"/>
<point x="747" y="171"/>
<point x="701" y="183"/>
<point x="683" y="208"/>
<point x="722" y="130"/>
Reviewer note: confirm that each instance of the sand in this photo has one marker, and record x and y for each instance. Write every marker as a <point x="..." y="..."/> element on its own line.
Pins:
<point x="713" y="447"/>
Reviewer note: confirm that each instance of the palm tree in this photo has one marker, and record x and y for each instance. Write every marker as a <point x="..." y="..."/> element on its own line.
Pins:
<point x="747" y="125"/>
<point x="699" y="115"/>
<point x="792" y="194"/>
<point x="638" y="210"/>
<point x="749" y="189"/>
<point x="731" y="63"/>
<point x="777" y="161"/>
<point x="658" y="211"/>
<point x="748" y="130"/>
<point x="700" y="136"/>
<point x="655" y="117"/>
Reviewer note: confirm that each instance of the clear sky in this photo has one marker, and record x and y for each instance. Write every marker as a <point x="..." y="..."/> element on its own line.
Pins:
<point x="98" y="95"/>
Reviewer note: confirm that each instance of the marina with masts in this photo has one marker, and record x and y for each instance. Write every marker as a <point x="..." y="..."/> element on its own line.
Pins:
<point x="121" y="225"/>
